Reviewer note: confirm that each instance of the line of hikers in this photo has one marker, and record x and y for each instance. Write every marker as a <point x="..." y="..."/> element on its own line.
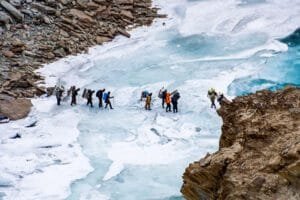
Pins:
<point x="87" y="94"/>
<point x="166" y="97"/>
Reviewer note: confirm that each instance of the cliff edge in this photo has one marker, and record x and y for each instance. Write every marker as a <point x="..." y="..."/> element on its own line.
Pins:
<point x="259" y="151"/>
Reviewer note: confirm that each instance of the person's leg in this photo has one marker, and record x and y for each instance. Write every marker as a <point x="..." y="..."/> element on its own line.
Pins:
<point x="163" y="103"/>
<point x="110" y="105"/>
<point x="106" y="104"/>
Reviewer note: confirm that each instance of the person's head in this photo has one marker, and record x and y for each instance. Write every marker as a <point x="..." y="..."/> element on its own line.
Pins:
<point x="150" y="94"/>
<point x="108" y="93"/>
<point x="103" y="89"/>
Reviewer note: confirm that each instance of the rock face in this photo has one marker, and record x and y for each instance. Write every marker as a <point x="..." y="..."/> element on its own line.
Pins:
<point x="259" y="153"/>
<point x="35" y="32"/>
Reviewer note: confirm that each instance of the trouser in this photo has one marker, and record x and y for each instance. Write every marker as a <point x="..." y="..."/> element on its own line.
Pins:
<point x="147" y="106"/>
<point x="58" y="100"/>
<point x="168" y="108"/>
<point x="73" y="101"/>
<point x="89" y="102"/>
<point x="108" y="103"/>
<point x="213" y="105"/>
<point x="175" y="107"/>
<point x="163" y="103"/>
<point x="100" y="102"/>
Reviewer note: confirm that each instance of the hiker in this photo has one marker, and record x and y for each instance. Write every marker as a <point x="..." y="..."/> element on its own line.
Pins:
<point x="162" y="94"/>
<point x="174" y="100"/>
<point x="144" y="95"/>
<point x="221" y="98"/>
<point x="90" y="97"/>
<point x="107" y="98"/>
<point x="212" y="94"/>
<point x="168" y="102"/>
<point x="99" y="94"/>
<point x="148" y="102"/>
<point x="74" y="93"/>
<point x="59" y="93"/>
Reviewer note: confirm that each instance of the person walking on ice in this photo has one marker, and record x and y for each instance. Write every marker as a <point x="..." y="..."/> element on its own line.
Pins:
<point x="148" y="102"/>
<point x="59" y="90"/>
<point x="162" y="94"/>
<point x="168" y="102"/>
<point x="74" y="93"/>
<point x="174" y="99"/>
<point x="106" y="98"/>
<point x="99" y="94"/>
<point x="90" y="97"/>
<point x="212" y="95"/>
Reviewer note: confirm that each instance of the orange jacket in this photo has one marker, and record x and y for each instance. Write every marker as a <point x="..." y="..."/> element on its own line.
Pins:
<point x="168" y="98"/>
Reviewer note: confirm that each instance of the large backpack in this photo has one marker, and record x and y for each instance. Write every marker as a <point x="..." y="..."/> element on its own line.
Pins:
<point x="98" y="94"/>
<point x="177" y="95"/>
<point x="105" y="96"/>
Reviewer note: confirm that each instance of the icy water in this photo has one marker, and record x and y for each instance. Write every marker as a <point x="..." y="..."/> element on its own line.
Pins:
<point x="128" y="153"/>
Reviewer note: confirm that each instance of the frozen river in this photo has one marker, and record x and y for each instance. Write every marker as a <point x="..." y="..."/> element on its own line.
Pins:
<point x="131" y="154"/>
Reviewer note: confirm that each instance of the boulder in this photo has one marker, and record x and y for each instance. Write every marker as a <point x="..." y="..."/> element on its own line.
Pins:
<point x="15" y="109"/>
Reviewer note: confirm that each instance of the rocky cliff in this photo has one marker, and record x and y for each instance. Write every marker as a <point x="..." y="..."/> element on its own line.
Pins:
<point x="259" y="151"/>
<point x="35" y="32"/>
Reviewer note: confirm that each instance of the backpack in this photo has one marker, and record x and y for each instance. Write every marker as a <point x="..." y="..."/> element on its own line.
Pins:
<point x="105" y="96"/>
<point x="176" y="96"/>
<point x="98" y="94"/>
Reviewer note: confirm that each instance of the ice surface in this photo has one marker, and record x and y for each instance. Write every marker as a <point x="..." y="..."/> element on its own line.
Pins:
<point x="129" y="153"/>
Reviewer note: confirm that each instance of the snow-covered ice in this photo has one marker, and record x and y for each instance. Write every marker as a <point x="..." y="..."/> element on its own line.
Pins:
<point x="129" y="153"/>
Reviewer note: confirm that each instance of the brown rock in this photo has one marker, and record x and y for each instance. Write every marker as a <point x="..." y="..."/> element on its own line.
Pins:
<point x="15" y="109"/>
<point x="259" y="154"/>
<point x="102" y="39"/>
<point x="8" y="54"/>
<point x="18" y="43"/>
<point x="123" y="1"/>
<point x="81" y="16"/>
<point x="127" y="14"/>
